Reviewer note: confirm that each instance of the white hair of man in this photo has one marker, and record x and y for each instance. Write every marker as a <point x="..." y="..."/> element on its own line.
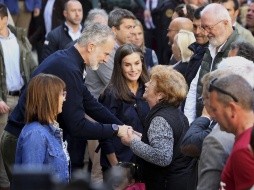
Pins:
<point x="216" y="11"/>
<point x="240" y="66"/>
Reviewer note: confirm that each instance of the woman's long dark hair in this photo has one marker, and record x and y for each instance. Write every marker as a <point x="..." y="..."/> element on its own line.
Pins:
<point x="118" y="83"/>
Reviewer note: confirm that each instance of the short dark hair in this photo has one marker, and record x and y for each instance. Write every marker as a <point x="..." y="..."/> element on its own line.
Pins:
<point x="179" y="10"/>
<point x="117" y="15"/>
<point x="67" y="2"/>
<point x="244" y="49"/>
<point x="236" y="3"/>
<point x="131" y="169"/>
<point x="3" y="10"/>
<point x="118" y="83"/>
<point x="197" y="12"/>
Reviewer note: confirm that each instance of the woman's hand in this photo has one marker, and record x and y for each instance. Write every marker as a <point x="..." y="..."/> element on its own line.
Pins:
<point x="131" y="134"/>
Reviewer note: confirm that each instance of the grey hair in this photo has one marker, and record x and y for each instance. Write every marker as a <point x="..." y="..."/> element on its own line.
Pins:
<point x="209" y="77"/>
<point x="238" y="87"/>
<point x="217" y="11"/>
<point x="96" y="33"/>
<point x="244" y="49"/>
<point x="92" y="14"/>
<point x="239" y="66"/>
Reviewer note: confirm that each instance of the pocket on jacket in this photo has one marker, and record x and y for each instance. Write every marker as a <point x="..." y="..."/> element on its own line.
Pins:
<point x="54" y="152"/>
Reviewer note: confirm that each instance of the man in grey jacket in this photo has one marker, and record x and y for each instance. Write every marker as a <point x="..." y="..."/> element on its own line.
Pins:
<point x="233" y="9"/>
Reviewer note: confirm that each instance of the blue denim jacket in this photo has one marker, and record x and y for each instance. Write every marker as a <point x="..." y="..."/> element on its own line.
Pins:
<point x="42" y="145"/>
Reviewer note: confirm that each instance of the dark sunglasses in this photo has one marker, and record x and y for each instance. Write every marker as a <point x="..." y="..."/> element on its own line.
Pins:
<point x="212" y="87"/>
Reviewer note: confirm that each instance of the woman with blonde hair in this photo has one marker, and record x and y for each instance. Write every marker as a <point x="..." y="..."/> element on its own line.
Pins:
<point x="40" y="143"/>
<point x="138" y="39"/>
<point x="181" y="51"/>
<point x="164" y="167"/>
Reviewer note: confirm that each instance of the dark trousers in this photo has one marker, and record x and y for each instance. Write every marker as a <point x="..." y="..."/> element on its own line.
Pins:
<point x="76" y="149"/>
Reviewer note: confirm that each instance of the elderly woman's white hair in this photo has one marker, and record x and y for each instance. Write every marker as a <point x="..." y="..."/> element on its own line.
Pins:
<point x="183" y="39"/>
<point x="240" y="66"/>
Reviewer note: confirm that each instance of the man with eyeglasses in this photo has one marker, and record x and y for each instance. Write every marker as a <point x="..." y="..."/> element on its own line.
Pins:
<point x="231" y="101"/>
<point x="217" y="26"/>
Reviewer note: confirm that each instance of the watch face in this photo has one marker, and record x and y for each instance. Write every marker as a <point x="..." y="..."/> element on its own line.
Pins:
<point x="115" y="127"/>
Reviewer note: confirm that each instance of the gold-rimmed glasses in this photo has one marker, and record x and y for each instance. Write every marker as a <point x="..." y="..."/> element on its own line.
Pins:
<point x="209" y="28"/>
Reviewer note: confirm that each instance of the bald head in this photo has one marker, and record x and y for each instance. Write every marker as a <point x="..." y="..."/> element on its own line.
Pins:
<point x="178" y="24"/>
<point x="73" y="13"/>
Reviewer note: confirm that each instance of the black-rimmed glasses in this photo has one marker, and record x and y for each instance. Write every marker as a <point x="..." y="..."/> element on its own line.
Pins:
<point x="213" y="87"/>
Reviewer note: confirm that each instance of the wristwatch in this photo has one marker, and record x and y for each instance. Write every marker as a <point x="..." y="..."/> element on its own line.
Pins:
<point x="115" y="128"/>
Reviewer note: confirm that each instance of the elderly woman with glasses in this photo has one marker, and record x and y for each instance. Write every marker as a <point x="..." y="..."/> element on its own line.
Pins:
<point x="164" y="167"/>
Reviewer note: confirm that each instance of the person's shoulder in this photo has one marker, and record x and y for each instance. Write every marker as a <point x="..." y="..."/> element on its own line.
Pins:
<point x="242" y="141"/>
<point x="67" y="55"/>
<point x="61" y="27"/>
<point x="108" y="90"/>
<point x="218" y="133"/>
<point x="56" y="32"/>
<point x="16" y="30"/>
<point x="19" y="32"/>
<point x="33" y="128"/>
<point x="222" y="138"/>
<point x="108" y="93"/>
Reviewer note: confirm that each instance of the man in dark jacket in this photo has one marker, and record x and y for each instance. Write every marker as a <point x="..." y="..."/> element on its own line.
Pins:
<point x="93" y="47"/>
<point x="62" y="36"/>
<point x="199" y="47"/>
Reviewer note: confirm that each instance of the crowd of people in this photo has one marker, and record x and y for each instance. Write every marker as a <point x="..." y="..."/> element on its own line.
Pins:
<point x="159" y="93"/>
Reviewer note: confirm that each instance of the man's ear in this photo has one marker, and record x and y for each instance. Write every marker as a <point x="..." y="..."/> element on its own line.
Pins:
<point x="233" y="109"/>
<point x="90" y="47"/>
<point x="225" y="22"/>
<point x="236" y="13"/>
<point x="114" y="29"/>
<point x="65" y="13"/>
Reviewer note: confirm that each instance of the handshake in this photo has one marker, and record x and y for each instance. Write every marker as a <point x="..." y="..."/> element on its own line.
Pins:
<point x="127" y="134"/>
